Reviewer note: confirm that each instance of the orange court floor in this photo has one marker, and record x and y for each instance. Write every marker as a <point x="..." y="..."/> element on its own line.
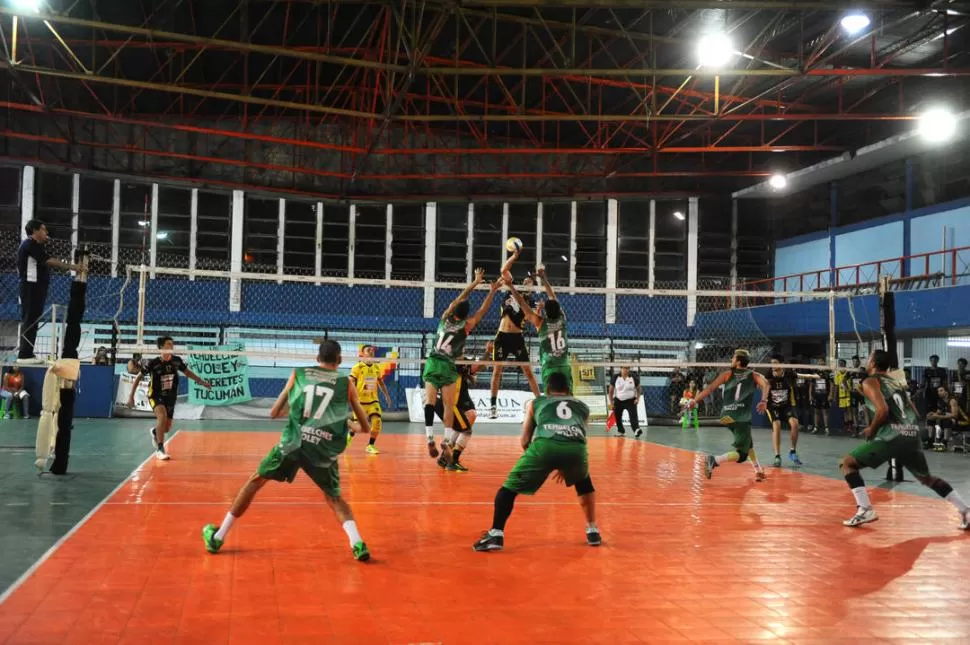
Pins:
<point x="684" y="559"/>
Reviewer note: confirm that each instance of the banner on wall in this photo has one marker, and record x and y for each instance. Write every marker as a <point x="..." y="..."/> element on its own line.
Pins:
<point x="227" y="373"/>
<point x="125" y="381"/>
<point x="510" y="403"/>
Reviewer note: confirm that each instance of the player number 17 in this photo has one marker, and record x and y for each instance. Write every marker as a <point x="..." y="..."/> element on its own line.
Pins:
<point x="310" y="394"/>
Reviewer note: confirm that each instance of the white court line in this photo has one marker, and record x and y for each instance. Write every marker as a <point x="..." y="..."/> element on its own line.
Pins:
<point x="74" y="529"/>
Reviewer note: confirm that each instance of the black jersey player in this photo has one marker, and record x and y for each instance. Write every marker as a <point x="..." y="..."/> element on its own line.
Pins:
<point x="781" y="399"/>
<point x="163" y="388"/>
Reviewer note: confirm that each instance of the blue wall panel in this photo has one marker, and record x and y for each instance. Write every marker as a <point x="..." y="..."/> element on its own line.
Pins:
<point x="812" y="255"/>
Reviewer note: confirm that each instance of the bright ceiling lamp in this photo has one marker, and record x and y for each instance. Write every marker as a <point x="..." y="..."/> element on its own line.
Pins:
<point x="937" y="125"/>
<point x="26" y="5"/>
<point x="854" y="23"/>
<point x="715" y="51"/>
<point x="678" y="215"/>
<point x="778" y="182"/>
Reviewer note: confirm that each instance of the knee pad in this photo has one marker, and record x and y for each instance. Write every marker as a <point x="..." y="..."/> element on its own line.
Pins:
<point x="585" y="487"/>
<point x="376" y="425"/>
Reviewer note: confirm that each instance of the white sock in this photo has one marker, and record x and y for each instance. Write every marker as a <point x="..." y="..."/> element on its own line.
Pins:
<point x="226" y="525"/>
<point x="462" y="441"/>
<point x="429" y="433"/>
<point x="720" y="459"/>
<point x="496" y="532"/>
<point x="350" y="528"/>
<point x="861" y="497"/>
<point x="957" y="501"/>
<point x="755" y="464"/>
<point x="450" y="436"/>
<point x="591" y="527"/>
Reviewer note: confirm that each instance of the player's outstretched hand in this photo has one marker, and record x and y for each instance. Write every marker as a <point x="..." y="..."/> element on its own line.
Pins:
<point x="479" y="275"/>
<point x="497" y="284"/>
<point x="541" y="271"/>
<point x="762" y="406"/>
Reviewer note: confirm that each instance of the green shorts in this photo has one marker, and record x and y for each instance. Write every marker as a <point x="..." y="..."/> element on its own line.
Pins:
<point x="282" y="468"/>
<point x="543" y="457"/>
<point x="908" y="451"/>
<point x="439" y="372"/>
<point x="565" y="370"/>
<point x="742" y="442"/>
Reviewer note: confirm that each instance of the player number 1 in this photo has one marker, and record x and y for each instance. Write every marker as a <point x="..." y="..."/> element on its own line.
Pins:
<point x="737" y="392"/>
<point x="898" y="399"/>
<point x="310" y="393"/>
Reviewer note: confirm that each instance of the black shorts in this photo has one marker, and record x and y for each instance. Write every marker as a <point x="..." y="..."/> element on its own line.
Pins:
<point x="510" y="345"/>
<point x="464" y="405"/>
<point x="780" y="413"/>
<point x="167" y="403"/>
<point x="821" y="402"/>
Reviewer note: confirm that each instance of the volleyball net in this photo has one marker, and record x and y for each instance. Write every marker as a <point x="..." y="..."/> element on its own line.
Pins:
<point x="253" y="327"/>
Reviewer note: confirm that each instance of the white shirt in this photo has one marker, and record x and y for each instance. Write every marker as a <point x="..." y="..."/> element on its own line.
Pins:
<point x="624" y="389"/>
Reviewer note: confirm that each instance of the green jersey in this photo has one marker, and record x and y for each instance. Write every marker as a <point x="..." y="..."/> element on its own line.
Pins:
<point x="553" y="343"/>
<point x="318" y="412"/>
<point x="738" y="397"/>
<point x="560" y="418"/>
<point x="449" y="344"/>
<point x="902" y="419"/>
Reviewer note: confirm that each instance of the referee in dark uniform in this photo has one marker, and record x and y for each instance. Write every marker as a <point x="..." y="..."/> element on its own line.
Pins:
<point x="33" y="265"/>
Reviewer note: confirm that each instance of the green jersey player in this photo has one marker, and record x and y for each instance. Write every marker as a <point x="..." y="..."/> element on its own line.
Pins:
<point x="553" y="340"/>
<point x="554" y="440"/>
<point x="319" y="400"/>
<point x="893" y="433"/>
<point x="740" y="384"/>
<point x="440" y="372"/>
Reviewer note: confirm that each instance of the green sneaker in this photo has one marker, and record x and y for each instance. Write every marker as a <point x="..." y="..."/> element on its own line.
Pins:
<point x="456" y="468"/>
<point x="361" y="554"/>
<point x="777" y="462"/>
<point x="212" y="543"/>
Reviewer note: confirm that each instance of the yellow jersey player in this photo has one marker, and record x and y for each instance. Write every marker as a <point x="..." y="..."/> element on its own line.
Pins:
<point x="368" y="378"/>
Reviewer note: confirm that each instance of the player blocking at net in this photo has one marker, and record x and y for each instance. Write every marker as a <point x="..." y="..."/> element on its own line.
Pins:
<point x="163" y="389"/>
<point x="465" y="416"/>
<point x="740" y="384"/>
<point x="893" y="433"/>
<point x="551" y="323"/>
<point x="554" y="440"/>
<point x="440" y="372"/>
<point x="317" y="401"/>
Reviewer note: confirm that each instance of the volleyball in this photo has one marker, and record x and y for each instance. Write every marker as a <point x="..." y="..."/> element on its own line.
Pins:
<point x="513" y="244"/>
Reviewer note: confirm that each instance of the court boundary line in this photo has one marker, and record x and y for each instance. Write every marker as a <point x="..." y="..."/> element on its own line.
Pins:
<point x="16" y="584"/>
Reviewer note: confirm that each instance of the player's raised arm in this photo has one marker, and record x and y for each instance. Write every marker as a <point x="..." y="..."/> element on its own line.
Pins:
<point x="508" y="263"/>
<point x="528" y="427"/>
<point x="873" y="392"/>
<point x="530" y="315"/>
<point x="721" y="379"/>
<point x="541" y="272"/>
<point x="477" y="317"/>
<point x="479" y="278"/>
<point x="280" y="407"/>
<point x="358" y="409"/>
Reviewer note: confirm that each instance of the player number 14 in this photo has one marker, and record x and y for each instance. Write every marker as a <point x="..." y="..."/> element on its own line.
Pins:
<point x="311" y="393"/>
<point x="444" y="342"/>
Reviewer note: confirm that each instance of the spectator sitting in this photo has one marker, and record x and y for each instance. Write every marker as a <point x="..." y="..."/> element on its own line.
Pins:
<point x="947" y="416"/>
<point x="101" y="357"/>
<point x="14" y="393"/>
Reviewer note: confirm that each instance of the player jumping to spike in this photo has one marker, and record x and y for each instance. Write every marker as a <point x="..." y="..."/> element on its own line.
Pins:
<point x="440" y="372"/>
<point x="554" y="439"/>
<point x="163" y="390"/>
<point x="317" y="400"/>
<point x="781" y="397"/>
<point x="739" y="386"/>
<point x="893" y="433"/>
<point x="553" y="341"/>
<point x="510" y="339"/>
<point x="368" y="377"/>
